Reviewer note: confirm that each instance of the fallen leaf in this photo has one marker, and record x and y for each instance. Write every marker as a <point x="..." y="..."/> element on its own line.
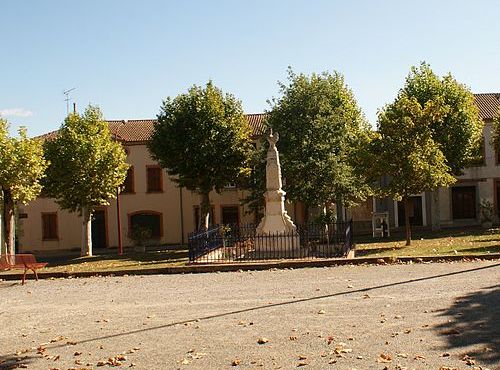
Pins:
<point x="235" y="362"/>
<point x="384" y="358"/>
<point x="262" y="340"/>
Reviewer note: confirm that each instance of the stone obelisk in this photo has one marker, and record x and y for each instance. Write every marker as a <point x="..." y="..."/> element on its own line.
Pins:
<point x="276" y="221"/>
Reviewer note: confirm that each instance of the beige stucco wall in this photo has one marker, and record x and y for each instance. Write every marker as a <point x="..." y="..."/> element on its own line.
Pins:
<point x="168" y="203"/>
<point x="483" y="177"/>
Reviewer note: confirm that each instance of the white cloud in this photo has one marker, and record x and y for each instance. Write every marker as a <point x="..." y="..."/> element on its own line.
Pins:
<point x="16" y="112"/>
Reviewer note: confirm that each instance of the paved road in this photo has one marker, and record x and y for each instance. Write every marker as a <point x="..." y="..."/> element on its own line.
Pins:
<point x="421" y="316"/>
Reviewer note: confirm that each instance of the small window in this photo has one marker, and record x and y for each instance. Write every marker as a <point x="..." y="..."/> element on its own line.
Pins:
<point x="211" y="220"/>
<point x="230" y="215"/>
<point x="49" y="226"/>
<point x="128" y="184"/>
<point x="154" y="179"/>
<point x="146" y="220"/>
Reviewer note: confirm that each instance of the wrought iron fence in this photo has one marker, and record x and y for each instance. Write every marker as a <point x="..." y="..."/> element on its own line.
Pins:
<point x="230" y="243"/>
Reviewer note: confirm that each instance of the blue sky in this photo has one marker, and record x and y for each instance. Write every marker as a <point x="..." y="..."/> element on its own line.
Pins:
<point x="126" y="56"/>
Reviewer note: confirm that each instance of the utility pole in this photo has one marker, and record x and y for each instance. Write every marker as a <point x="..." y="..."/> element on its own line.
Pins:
<point x="67" y="99"/>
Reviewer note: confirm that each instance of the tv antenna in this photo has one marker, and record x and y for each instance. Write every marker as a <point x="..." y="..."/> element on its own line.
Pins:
<point x="67" y="99"/>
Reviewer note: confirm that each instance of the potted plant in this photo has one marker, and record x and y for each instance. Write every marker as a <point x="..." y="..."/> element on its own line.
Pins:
<point x="487" y="213"/>
<point x="140" y="235"/>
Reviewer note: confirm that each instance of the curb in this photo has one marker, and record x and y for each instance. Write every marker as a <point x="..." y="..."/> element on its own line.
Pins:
<point x="249" y="266"/>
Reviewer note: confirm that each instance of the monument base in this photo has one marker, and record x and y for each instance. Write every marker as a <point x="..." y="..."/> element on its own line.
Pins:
<point x="277" y="242"/>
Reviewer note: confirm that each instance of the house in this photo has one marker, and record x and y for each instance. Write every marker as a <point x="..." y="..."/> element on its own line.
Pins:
<point x="150" y="198"/>
<point x="459" y="203"/>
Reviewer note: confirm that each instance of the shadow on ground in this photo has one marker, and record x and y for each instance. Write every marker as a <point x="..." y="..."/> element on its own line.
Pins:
<point x="399" y="235"/>
<point x="14" y="361"/>
<point x="474" y="320"/>
<point x="174" y="255"/>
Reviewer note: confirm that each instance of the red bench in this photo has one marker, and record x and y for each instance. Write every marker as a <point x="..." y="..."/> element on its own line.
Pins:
<point x="21" y="261"/>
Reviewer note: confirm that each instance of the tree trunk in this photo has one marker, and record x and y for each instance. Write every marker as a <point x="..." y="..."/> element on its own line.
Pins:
<point x="86" y="231"/>
<point x="436" y="211"/>
<point x="340" y="211"/>
<point x="306" y="213"/>
<point x="204" y="210"/>
<point x="9" y="221"/>
<point x="407" y="220"/>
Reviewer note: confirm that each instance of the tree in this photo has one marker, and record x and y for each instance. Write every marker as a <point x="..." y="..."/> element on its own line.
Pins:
<point x="406" y="153"/>
<point x="495" y="139"/>
<point x="322" y="132"/>
<point x="22" y="166"/>
<point x="86" y="167"/>
<point x="202" y="139"/>
<point x="459" y="132"/>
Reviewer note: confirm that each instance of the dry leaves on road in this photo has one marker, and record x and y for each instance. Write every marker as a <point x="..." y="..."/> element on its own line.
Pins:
<point x="384" y="358"/>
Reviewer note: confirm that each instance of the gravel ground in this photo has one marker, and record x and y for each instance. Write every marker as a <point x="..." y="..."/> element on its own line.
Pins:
<point x="420" y="316"/>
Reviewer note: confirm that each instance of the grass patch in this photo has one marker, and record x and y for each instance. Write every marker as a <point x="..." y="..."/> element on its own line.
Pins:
<point x="436" y="243"/>
<point x="113" y="262"/>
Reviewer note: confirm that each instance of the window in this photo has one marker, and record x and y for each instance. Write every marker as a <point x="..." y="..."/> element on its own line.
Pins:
<point x="230" y="215"/>
<point x="49" y="226"/>
<point x="463" y="202"/>
<point x="128" y="184"/>
<point x="154" y="179"/>
<point x="149" y="220"/>
<point x="211" y="220"/>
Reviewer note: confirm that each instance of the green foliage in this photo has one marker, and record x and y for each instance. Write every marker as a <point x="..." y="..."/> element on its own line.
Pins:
<point x="140" y="235"/>
<point x="322" y="135"/>
<point x="255" y="183"/>
<point x="405" y="150"/>
<point x="86" y="164"/>
<point x="202" y="139"/>
<point x="458" y="132"/>
<point x="487" y="210"/>
<point x="22" y="164"/>
<point x="495" y="140"/>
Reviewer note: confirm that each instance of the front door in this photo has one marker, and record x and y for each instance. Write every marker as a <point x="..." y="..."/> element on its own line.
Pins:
<point x="463" y="204"/>
<point x="416" y="218"/>
<point x="99" y="236"/>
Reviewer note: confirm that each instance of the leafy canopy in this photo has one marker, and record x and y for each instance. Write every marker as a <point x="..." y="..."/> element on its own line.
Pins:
<point x="495" y="140"/>
<point x="202" y="139"/>
<point x="86" y="164"/>
<point x="322" y="132"/>
<point x="22" y="164"/>
<point x="405" y="150"/>
<point x="458" y="132"/>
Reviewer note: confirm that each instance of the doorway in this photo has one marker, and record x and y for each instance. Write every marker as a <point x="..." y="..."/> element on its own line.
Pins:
<point x="416" y="214"/>
<point x="99" y="230"/>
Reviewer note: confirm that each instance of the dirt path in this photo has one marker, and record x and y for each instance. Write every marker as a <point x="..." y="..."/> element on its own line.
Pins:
<point x="420" y="316"/>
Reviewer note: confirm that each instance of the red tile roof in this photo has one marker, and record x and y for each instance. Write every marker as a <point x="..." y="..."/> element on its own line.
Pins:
<point x="139" y="130"/>
<point x="489" y="105"/>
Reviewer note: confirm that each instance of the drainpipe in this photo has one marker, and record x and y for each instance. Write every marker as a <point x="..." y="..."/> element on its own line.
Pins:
<point x="182" y="215"/>
<point x="119" y="223"/>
